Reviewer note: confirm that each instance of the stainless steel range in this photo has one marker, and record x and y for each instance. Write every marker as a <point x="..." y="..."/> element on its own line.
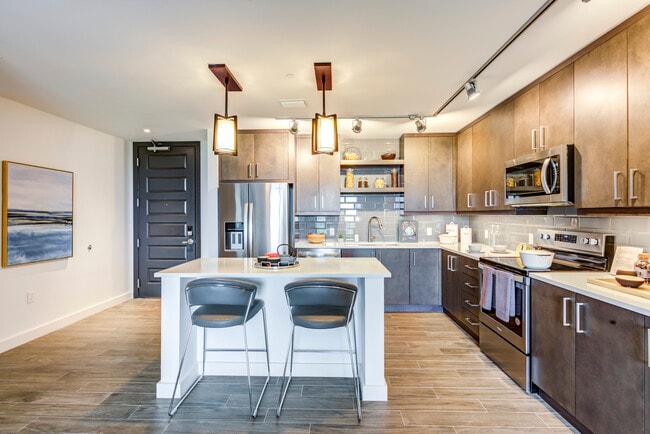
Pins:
<point x="504" y="331"/>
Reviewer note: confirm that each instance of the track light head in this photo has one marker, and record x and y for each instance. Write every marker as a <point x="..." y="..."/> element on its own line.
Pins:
<point x="420" y="124"/>
<point x="294" y="127"/>
<point x="471" y="89"/>
<point x="356" y="126"/>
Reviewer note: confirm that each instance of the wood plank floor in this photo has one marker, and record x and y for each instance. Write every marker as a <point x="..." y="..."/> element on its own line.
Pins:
<point x="100" y="374"/>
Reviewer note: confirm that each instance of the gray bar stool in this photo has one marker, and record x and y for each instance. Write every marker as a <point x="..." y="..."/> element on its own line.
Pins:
<point x="322" y="304"/>
<point x="221" y="303"/>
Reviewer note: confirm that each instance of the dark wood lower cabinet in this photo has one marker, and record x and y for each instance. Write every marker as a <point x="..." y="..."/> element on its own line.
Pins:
<point x="589" y="358"/>
<point x="460" y="290"/>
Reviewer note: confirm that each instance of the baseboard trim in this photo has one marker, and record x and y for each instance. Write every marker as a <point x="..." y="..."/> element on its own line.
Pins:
<point x="42" y="330"/>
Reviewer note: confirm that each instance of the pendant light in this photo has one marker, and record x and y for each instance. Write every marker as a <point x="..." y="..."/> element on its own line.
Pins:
<point x="224" y="140"/>
<point x="324" y="131"/>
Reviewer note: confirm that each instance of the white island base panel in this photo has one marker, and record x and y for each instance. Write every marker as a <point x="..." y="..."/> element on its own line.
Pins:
<point x="367" y="273"/>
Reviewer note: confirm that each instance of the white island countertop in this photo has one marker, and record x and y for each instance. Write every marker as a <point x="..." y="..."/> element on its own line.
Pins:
<point x="309" y="267"/>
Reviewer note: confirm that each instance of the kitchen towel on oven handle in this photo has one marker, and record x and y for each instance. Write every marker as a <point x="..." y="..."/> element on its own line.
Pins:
<point x="487" y="287"/>
<point x="504" y="295"/>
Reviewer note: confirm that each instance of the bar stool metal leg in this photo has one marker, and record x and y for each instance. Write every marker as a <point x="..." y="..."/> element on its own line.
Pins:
<point x="172" y="409"/>
<point x="284" y="387"/>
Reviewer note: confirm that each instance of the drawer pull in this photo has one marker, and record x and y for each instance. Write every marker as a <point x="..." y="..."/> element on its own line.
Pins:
<point x="472" y="323"/>
<point x="469" y="267"/>
<point x="470" y="304"/>
<point x="469" y="285"/>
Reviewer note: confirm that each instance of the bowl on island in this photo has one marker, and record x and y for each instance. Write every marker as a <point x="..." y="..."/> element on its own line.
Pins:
<point x="499" y="248"/>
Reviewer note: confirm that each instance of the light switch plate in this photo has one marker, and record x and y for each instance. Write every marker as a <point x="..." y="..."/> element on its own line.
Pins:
<point x="487" y="234"/>
<point x="531" y="238"/>
<point x="429" y="231"/>
<point x="331" y="232"/>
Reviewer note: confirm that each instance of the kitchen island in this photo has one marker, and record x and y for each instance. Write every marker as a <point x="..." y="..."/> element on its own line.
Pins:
<point x="367" y="273"/>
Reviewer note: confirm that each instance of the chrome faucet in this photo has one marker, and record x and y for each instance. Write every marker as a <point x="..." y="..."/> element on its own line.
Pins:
<point x="381" y="226"/>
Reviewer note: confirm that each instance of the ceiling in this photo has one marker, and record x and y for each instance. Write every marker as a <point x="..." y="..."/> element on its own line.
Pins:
<point x="120" y="66"/>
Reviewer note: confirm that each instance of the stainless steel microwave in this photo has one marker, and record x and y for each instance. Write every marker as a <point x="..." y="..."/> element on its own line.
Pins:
<point x="545" y="178"/>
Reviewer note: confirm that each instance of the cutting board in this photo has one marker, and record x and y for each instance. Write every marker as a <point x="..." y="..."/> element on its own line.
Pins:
<point x="611" y="283"/>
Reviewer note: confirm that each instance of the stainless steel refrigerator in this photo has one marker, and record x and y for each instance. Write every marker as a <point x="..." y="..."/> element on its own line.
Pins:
<point x="254" y="218"/>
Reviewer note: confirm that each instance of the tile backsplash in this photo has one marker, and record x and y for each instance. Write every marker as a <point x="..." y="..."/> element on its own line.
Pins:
<point x="356" y="210"/>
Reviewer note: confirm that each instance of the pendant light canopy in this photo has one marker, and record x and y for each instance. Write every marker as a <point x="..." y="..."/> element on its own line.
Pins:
<point x="324" y="130"/>
<point x="224" y="140"/>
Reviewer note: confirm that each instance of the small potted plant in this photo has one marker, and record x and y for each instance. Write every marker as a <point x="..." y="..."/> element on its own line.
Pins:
<point x="341" y="239"/>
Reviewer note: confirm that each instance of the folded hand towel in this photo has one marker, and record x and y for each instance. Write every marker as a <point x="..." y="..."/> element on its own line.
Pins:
<point x="504" y="294"/>
<point x="486" y="287"/>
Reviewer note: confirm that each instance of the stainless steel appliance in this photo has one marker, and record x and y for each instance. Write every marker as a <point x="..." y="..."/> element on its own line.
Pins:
<point x="254" y="218"/>
<point x="507" y="343"/>
<point x="545" y="178"/>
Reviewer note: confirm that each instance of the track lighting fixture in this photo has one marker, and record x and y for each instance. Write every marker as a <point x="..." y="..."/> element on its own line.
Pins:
<point x="293" y="127"/>
<point x="224" y="140"/>
<point x="356" y="126"/>
<point x="324" y="130"/>
<point x="471" y="89"/>
<point x="420" y="124"/>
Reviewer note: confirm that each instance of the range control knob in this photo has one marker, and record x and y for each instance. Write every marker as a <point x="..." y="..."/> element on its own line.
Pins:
<point x="540" y="236"/>
<point x="547" y="236"/>
<point x="584" y="240"/>
<point x="594" y="242"/>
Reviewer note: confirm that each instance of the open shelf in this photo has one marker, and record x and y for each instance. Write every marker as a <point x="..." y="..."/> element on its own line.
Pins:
<point x="370" y="163"/>
<point x="369" y="190"/>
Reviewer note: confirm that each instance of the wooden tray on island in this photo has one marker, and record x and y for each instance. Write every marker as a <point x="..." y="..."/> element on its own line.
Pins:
<point x="611" y="283"/>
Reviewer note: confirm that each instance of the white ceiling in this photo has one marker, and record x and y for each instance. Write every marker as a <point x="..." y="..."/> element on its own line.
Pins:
<point x="120" y="66"/>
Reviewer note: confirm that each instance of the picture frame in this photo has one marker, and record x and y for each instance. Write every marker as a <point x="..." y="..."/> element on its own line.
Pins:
<point x="37" y="214"/>
<point x="408" y="231"/>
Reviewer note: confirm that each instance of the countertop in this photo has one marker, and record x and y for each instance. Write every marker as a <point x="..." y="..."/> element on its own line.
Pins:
<point x="309" y="267"/>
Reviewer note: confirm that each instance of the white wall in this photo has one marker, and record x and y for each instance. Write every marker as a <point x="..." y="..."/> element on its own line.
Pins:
<point x="69" y="289"/>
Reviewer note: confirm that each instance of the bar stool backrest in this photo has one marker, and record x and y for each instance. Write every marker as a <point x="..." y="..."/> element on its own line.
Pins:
<point x="220" y="292"/>
<point x="322" y="292"/>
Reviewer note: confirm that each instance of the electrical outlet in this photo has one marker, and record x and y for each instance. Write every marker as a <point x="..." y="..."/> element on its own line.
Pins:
<point x="30" y="297"/>
<point x="531" y="238"/>
<point x="487" y="234"/>
<point x="331" y="232"/>
<point x="429" y="231"/>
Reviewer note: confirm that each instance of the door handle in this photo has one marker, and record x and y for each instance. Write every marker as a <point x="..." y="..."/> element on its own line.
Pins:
<point x="579" y="324"/>
<point x="630" y="181"/>
<point x="565" y="311"/>
<point x="616" y="175"/>
<point x="188" y="242"/>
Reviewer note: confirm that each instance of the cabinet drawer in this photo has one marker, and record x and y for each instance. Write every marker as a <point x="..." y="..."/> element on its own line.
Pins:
<point x="470" y="321"/>
<point x="468" y="267"/>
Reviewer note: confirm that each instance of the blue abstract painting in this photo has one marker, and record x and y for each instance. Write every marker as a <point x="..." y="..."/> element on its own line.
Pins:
<point x="36" y="214"/>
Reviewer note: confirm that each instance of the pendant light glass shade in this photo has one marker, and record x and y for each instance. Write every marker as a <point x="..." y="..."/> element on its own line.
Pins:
<point x="324" y="134"/>
<point x="225" y="135"/>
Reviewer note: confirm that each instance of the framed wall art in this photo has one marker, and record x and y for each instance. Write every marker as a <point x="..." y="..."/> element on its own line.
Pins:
<point x="36" y="214"/>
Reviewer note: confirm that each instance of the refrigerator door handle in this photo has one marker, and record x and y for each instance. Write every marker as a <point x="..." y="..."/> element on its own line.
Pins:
<point x="251" y="225"/>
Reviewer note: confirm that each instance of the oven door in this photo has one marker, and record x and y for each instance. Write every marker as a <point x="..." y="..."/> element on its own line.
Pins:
<point x="516" y="330"/>
<point x="543" y="178"/>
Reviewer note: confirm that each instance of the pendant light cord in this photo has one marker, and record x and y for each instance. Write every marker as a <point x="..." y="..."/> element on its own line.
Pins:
<point x="323" y="81"/>
<point x="227" y="82"/>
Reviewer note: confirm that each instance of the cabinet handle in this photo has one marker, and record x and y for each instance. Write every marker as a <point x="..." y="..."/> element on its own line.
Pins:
<point x="469" y="285"/>
<point x="469" y="267"/>
<point x="493" y="198"/>
<point x="486" y="194"/>
<point x="471" y="200"/>
<point x="579" y="324"/>
<point x="533" y="140"/>
<point x="433" y="202"/>
<point x="472" y="323"/>
<point x="315" y="202"/>
<point x="322" y="202"/>
<point x="470" y="304"/>
<point x="425" y="201"/>
<point x="648" y="345"/>
<point x="257" y="170"/>
<point x="542" y="137"/>
<point x="452" y="263"/>
<point x="250" y="170"/>
<point x="413" y="258"/>
<point x="565" y="311"/>
<point x="630" y="181"/>
<point x="616" y="175"/>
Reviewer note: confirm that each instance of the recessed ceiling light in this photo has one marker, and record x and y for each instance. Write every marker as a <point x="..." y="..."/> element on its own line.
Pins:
<point x="146" y="130"/>
<point x="293" y="103"/>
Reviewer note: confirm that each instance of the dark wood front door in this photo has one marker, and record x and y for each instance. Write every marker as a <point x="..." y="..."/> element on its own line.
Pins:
<point x="166" y="210"/>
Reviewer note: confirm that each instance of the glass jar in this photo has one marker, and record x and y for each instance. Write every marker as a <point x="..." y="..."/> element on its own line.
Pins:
<point x="380" y="182"/>
<point x="641" y="266"/>
<point x="537" y="177"/>
<point x="363" y="182"/>
<point x="349" y="178"/>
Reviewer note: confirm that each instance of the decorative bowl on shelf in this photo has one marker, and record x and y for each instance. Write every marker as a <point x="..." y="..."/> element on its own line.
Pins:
<point x="352" y="153"/>
<point x="315" y="238"/>
<point x="388" y="155"/>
